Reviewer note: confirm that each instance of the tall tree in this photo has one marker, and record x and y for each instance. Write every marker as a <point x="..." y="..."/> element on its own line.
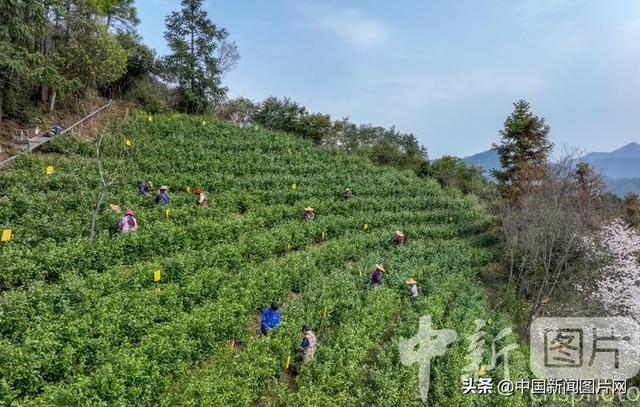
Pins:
<point x="194" y="65"/>
<point x="23" y="63"/>
<point x="523" y="152"/>
<point x="119" y="14"/>
<point x="590" y="188"/>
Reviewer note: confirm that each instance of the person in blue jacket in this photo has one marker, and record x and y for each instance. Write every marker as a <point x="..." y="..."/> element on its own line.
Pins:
<point x="145" y="187"/>
<point x="270" y="318"/>
<point x="163" y="197"/>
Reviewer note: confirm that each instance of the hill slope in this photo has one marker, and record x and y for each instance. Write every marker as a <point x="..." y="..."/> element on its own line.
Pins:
<point x="84" y="324"/>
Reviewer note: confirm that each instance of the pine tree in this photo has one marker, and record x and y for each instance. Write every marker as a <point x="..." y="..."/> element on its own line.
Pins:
<point x="523" y="152"/>
<point x="192" y="66"/>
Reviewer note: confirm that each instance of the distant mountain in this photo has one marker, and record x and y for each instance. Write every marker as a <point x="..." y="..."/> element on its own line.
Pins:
<point x="621" y="163"/>
<point x="620" y="168"/>
<point x="487" y="160"/>
<point x="621" y="186"/>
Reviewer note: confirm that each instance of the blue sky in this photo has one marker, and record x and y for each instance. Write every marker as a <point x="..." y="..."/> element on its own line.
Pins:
<point x="446" y="71"/>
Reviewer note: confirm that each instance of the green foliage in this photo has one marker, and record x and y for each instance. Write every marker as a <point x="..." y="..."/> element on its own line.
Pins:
<point x="238" y="111"/>
<point x="23" y="66"/>
<point x="452" y="172"/>
<point x="192" y="65"/>
<point x="523" y="152"/>
<point x="52" y="50"/>
<point x="148" y="93"/>
<point x="315" y="127"/>
<point x="83" y="324"/>
<point x="119" y="13"/>
<point x="95" y="59"/>
<point x="382" y="146"/>
<point x="280" y="115"/>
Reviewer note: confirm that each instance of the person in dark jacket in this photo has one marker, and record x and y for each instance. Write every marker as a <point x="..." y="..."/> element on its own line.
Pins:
<point x="376" y="276"/>
<point x="163" y="196"/>
<point x="347" y="194"/>
<point x="270" y="318"/>
<point x="145" y="187"/>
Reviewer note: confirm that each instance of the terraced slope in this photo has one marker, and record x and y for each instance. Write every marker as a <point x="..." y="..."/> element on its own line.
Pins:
<point x="83" y="323"/>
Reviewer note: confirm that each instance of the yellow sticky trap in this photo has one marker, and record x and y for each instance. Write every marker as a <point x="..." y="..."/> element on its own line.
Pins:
<point x="324" y="313"/>
<point x="365" y="227"/>
<point x="50" y="170"/>
<point x="150" y="118"/>
<point x="167" y="212"/>
<point x="323" y="235"/>
<point x="482" y="371"/>
<point x="115" y="208"/>
<point x="288" y="363"/>
<point x="450" y="219"/>
<point x="289" y="247"/>
<point x="294" y="186"/>
<point x="128" y="142"/>
<point x="188" y="189"/>
<point x="204" y="122"/>
<point x="289" y="150"/>
<point x="6" y="235"/>
<point x="156" y="276"/>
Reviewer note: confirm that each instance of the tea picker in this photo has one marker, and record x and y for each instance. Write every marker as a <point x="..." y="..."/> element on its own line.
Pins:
<point x="376" y="276"/>
<point x="398" y="238"/>
<point x="413" y="288"/>
<point x="203" y="200"/>
<point x="309" y="213"/>
<point x="128" y="223"/>
<point x="347" y="194"/>
<point x="307" y="348"/>
<point x="145" y="187"/>
<point x="270" y="318"/>
<point x="162" y="197"/>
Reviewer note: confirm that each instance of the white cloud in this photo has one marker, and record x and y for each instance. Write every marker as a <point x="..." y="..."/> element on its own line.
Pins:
<point x="352" y="25"/>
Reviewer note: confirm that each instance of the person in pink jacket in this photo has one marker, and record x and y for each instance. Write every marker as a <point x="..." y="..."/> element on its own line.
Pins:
<point x="128" y="223"/>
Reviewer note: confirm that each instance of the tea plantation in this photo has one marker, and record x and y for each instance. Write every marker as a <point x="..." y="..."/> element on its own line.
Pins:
<point x="82" y="321"/>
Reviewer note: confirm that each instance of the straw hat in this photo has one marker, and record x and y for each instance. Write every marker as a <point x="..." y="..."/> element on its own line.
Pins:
<point x="129" y="212"/>
<point x="164" y="188"/>
<point x="308" y="209"/>
<point x="411" y="281"/>
<point x="380" y="267"/>
<point x="399" y="233"/>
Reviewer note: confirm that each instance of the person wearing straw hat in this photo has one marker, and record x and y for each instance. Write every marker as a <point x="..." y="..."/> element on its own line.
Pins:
<point x="347" y="194"/>
<point x="376" y="276"/>
<point x="309" y="213"/>
<point x="128" y="223"/>
<point x="203" y="200"/>
<point x="413" y="288"/>
<point x="398" y="238"/>
<point x="163" y="196"/>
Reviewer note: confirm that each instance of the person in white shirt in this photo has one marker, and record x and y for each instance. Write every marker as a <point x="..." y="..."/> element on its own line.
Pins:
<point x="203" y="201"/>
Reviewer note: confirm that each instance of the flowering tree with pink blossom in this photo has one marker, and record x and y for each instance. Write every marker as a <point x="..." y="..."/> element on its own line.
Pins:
<point x="616" y="249"/>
